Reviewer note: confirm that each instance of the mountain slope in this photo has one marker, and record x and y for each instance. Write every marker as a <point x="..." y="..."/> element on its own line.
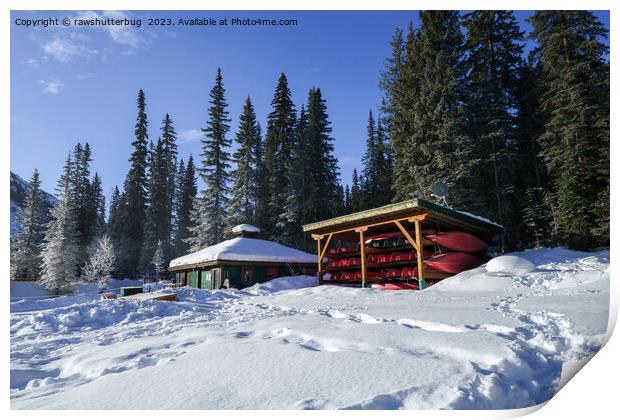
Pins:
<point x="18" y="194"/>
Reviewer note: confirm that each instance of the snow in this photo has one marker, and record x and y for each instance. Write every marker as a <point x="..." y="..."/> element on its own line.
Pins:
<point x="245" y="228"/>
<point x="479" y="218"/>
<point x="473" y="341"/>
<point x="246" y="249"/>
<point x="510" y="265"/>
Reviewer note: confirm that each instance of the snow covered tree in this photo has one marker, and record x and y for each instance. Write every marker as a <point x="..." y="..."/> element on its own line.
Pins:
<point x="211" y="211"/>
<point x="242" y="203"/>
<point x="158" y="260"/>
<point x="574" y="80"/>
<point x="61" y="249"/>
<point x="279" y="141"/>
<point x="26" y="245"/>
<point x="186" y="195"/>
<point x="133" y="205"/>
<point x="389" y="76"/>
<point x="100" y="263"/>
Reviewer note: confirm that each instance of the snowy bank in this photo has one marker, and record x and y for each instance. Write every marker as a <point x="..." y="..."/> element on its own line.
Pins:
<point x="474" y="341"/>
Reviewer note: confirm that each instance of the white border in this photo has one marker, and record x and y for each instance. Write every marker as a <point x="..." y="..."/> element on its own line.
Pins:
<point x="593" y="394"/>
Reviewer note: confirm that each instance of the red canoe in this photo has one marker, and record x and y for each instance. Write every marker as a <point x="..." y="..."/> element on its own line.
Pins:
<point x="453" y="262"/>
<point x="392" y="286"/>
<point x="458" y="241"/>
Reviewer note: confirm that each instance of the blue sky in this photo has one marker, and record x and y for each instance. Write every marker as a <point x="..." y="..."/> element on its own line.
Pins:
<point x="80" y="84"/>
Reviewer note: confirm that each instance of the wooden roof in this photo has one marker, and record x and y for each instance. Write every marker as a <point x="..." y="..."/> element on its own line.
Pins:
<point x="436" y="214"/>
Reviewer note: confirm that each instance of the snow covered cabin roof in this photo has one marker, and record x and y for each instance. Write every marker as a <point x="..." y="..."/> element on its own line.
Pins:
<point x="245" y="249"/>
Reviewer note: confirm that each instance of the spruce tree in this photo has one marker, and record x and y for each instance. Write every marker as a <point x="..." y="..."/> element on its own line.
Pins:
<point x="574" y="81"/>
<point x="242" y="203"/>
<point x="26" y="245"/>
<point x="356" y="193"/>
<point x="385" y="166"/>
<point x="298" y="201"/>
<point x="323" y="172"/>
<point x="168" y="138"/>
<point x="210" y="214"/>
<point x="279" y="143"/>
<point x="494" y="45"/>
<point x="114" y="228"/>
<point x="261" y="198"/>
<point x="156" y="228"/>
<point x="390" y="76"/>
<point x="185" y="206"/>
<point x="133" y="206"/>
<point x="60" y="250"/>
<point x="427" y="129"/>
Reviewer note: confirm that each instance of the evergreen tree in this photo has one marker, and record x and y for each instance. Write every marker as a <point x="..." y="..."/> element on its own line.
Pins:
<point x="494" y="48"/>
<point x="242" y="203"/>
<point x="61" y="249"/>
<point x="185" y="205"/>
<point x="385" y="165"/>
<point x="278" y="151"/>
<point x="261" y="198"/>
<point x="186" y="196"/>
<point x="210" y="214"/>
<point x="323" y="173"/>
<point x="427" y="126"/>
<point x="532" y="182"/>
<point x="574" y="79"/>
<point x="390" y="75"/>
<point x="115" y="229"/>
<point x="26" y="245"/>
<point x="298" y="201"/>
<point x="347" y="199"/>
<point x="95" y="209"/>
<point x="133" y="205"/>
<point x="356" y="193"/>
<point x="168" y="138"/>
<point x="157" y="224"/>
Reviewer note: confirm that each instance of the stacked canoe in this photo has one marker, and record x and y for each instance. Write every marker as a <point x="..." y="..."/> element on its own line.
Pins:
<point x="391" y="262"/>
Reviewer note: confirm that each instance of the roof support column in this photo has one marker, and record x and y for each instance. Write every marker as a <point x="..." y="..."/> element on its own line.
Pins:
<point x="363" y="253"/>
<point x="321" y="252"/>
<point x="418" y="237"/>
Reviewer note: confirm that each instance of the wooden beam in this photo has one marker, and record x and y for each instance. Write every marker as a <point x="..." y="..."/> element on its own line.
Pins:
<point x="415" y="244"/>
<point x="352" y="229"/>
<point x="418" y="234"/>
<point x="417" y="218"/>
<point x="317" y="237"/>
<point x="321" y="252"/>
<point x="363" y="255"/>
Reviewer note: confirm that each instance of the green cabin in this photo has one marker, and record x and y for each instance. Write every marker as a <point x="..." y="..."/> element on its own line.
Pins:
<point x="243" y="260"/>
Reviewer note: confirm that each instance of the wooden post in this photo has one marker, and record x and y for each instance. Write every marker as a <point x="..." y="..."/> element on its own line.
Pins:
<point x="321" y="252"/>
<point x="414" y="243"/>
<point x="363" y="254"/>
<point x="418" y="237"/>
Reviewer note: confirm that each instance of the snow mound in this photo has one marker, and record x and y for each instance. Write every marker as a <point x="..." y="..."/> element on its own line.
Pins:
<point x="245" y="228"/>
<point x="510" y="265"/>
<point x="285" y="283"/>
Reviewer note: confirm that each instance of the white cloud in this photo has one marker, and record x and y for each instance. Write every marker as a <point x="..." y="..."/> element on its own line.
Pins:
<point x="119" y="34"/>
<point x="52" y="86"/>
<point x="65" y="50"/>
<point x="191" y="135"/>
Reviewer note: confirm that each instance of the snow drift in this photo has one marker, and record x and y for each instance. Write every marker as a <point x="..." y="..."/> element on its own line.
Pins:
<point x="474" y="341"/>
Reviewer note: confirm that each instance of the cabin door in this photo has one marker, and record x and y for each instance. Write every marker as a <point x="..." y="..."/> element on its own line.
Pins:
<point x="205" y="279"/>
<point x="193" y="278"/>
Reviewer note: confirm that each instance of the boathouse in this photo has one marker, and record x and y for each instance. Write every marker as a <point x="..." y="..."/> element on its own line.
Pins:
<point x="243" y="260"/>
<point x="414" y="243"/>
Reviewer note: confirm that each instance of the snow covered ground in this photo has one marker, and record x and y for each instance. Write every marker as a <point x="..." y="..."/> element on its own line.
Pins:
<point x="476" y="340"/>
